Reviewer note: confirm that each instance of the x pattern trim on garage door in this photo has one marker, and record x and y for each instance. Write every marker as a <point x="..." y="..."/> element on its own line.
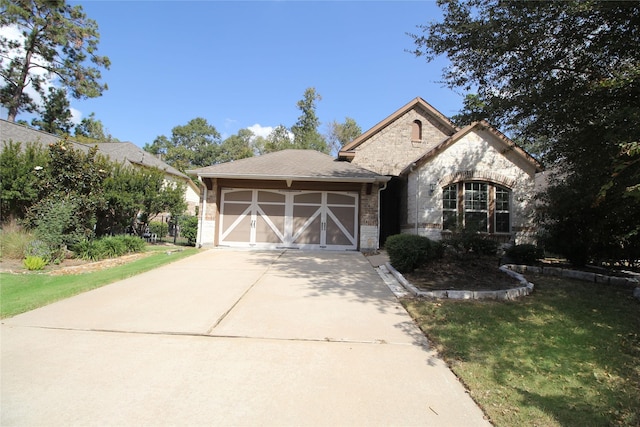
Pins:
<point x="283" y="218"/>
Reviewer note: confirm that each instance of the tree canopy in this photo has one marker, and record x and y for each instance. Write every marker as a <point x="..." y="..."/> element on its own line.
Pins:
<point x="305" y="130"/>
<point x="563" y="77"/>
<point x="58" y="44"/>
<point x="196" y="144"/>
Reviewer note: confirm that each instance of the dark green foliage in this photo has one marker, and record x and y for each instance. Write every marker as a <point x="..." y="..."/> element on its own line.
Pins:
<point x="563" y="78"/>
<point x="108" y="247"/>
<point x="524" y="254"/>
<point x="409" y="251"/>
<point x="20" y="172"/>
<point x="189" y="228"/>
<point x="467" y="241"/>
<point x="159" y="228"/>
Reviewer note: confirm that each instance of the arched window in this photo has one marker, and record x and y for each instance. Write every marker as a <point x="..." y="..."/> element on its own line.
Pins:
<point x="480" y="206"/>
<point x="416" y="131"/>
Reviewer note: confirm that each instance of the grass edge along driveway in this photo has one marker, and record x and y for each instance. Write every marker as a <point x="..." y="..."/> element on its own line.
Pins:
<point x="27" y="291"/>
<point x="565" y="356"/>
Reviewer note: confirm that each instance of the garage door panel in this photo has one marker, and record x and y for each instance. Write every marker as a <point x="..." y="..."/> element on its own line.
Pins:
<point x="309" y="233"/>
<point x="340" y="199"/>
<point x="336" y="235"/>
<point x="270" y="224"/>
<point x="304" y="219"/>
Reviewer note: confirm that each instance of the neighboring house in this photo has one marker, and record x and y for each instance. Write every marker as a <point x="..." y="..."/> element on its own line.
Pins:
<point x="299" y="199"/>
<point x="443" y="177"/>
<point x="121" y="152"/>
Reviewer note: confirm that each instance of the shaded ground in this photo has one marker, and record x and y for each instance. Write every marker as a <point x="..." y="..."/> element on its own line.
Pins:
<point x="461" y="273"/>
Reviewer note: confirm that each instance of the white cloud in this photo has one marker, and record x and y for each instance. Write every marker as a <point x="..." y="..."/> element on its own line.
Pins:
<point x="259" y="130"/>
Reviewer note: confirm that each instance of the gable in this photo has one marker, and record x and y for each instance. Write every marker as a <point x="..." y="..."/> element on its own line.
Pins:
<point x="479" y="146"/>
<point x="398" y="140"/>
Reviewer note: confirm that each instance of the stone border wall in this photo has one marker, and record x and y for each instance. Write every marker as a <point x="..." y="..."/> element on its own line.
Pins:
<point x="516" y="271"/>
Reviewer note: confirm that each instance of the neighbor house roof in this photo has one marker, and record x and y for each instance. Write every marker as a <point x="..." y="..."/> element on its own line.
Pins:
<point x="347" y="152"/>
<point x="298" y="165"/>
<point x="477" y="126"/>
<point x="129" y="153"/>
<point x="121" y="152"/>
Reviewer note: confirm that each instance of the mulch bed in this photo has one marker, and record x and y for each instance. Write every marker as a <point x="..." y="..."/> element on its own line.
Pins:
<point x="463" y="272"/>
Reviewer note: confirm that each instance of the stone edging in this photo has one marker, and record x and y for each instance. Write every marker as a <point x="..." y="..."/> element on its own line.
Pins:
<point x="504" y="294"/>
<point x="516" y="271"/>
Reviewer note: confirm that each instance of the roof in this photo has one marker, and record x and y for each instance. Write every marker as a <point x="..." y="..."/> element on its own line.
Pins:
<point x="127" y="152"/>
<point x="123" y="152"/>
<point x="348" y="150"/>
<point x="297" y="165"/>
<point x="481" y="125"/>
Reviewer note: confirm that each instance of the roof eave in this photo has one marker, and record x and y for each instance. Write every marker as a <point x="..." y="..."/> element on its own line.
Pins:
<point x="380" y="178"/>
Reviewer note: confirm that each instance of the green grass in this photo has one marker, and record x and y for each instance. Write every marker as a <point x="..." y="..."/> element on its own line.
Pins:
<point x="24" y="292"/>
<point x="565" y="356"/>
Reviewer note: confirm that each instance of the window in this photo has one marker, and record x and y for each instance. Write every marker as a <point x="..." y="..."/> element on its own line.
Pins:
<point x="416" y="131"/>
<point x="502" y="210"/>
<point x="483" y="207"/>
<point x="476" y="208"/>
<point x="450" y="207"/>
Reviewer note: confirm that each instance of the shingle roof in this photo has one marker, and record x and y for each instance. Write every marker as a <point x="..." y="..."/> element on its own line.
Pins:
<point x="122" y="152"/>
<point x="127" y="152"/>
<point x="308" y="165"/>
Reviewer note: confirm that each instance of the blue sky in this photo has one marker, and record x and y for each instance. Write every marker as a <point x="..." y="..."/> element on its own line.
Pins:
<point x="246" y="64"/>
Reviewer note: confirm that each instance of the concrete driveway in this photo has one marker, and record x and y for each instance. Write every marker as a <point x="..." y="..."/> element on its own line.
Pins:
<point x="230" y="338"/>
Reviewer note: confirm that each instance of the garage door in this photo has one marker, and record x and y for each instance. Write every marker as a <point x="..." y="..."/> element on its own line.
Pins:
<point x="291" y="219"/>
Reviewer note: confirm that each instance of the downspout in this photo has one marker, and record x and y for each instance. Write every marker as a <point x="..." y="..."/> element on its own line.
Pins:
<point x="417" y="195"/>
<point x="203" y="211"/>
<point x="380" y="190"/>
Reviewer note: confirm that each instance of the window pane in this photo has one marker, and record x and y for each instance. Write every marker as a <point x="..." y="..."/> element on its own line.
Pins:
<point x="475" y="221"/>
<point x="502" y="222"/>
<point x="449" y="220"/>
<point x="502" y="199"/>
<point x="475" y="196"/>
<point x="450" y="197"/>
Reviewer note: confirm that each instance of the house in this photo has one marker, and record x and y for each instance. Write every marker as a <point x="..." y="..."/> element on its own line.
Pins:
<point x="414" y="172"/>
<point x="289" y="199"/>
<point x="126" y="153"/>
<point x="443" y="177"/>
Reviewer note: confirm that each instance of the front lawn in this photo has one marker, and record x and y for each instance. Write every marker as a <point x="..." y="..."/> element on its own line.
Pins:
<point x="565" y="356"/>
<point x="27" y="291"/>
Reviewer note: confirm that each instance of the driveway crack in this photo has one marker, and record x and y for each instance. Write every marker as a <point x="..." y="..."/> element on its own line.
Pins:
<point x="226" y="313"/>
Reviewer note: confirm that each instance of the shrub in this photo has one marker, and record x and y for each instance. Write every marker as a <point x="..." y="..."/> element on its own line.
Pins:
<point x="108" y="247"/>
<point x="40" y="248"/>
<point x="189" y="228"/>
<point x="159" y="228"/>
<point x="88" y="250"/>
<point x="524" y="254"/>
<point x="14" y="241"/>
<point x="111" y="247"/>
<point x="34" y="263"/>
<point x="469" y="241"/>
<point x="132" y="244"/>
<point x="409" y="251"/>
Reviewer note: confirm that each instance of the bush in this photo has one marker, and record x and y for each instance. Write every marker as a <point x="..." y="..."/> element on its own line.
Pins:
<point x="14" y="241"/>
<point x="469" y="241"/>
<point x="132" y="244"/>
<point x="41" y="249"/>
<point x="524" y="254"/>
<point x="409" y="251"/>
<point x="108" y="247"/>
<point x="34" y="263"/>
<point x="189" y="228"/>
<point x="159" y="228"/>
